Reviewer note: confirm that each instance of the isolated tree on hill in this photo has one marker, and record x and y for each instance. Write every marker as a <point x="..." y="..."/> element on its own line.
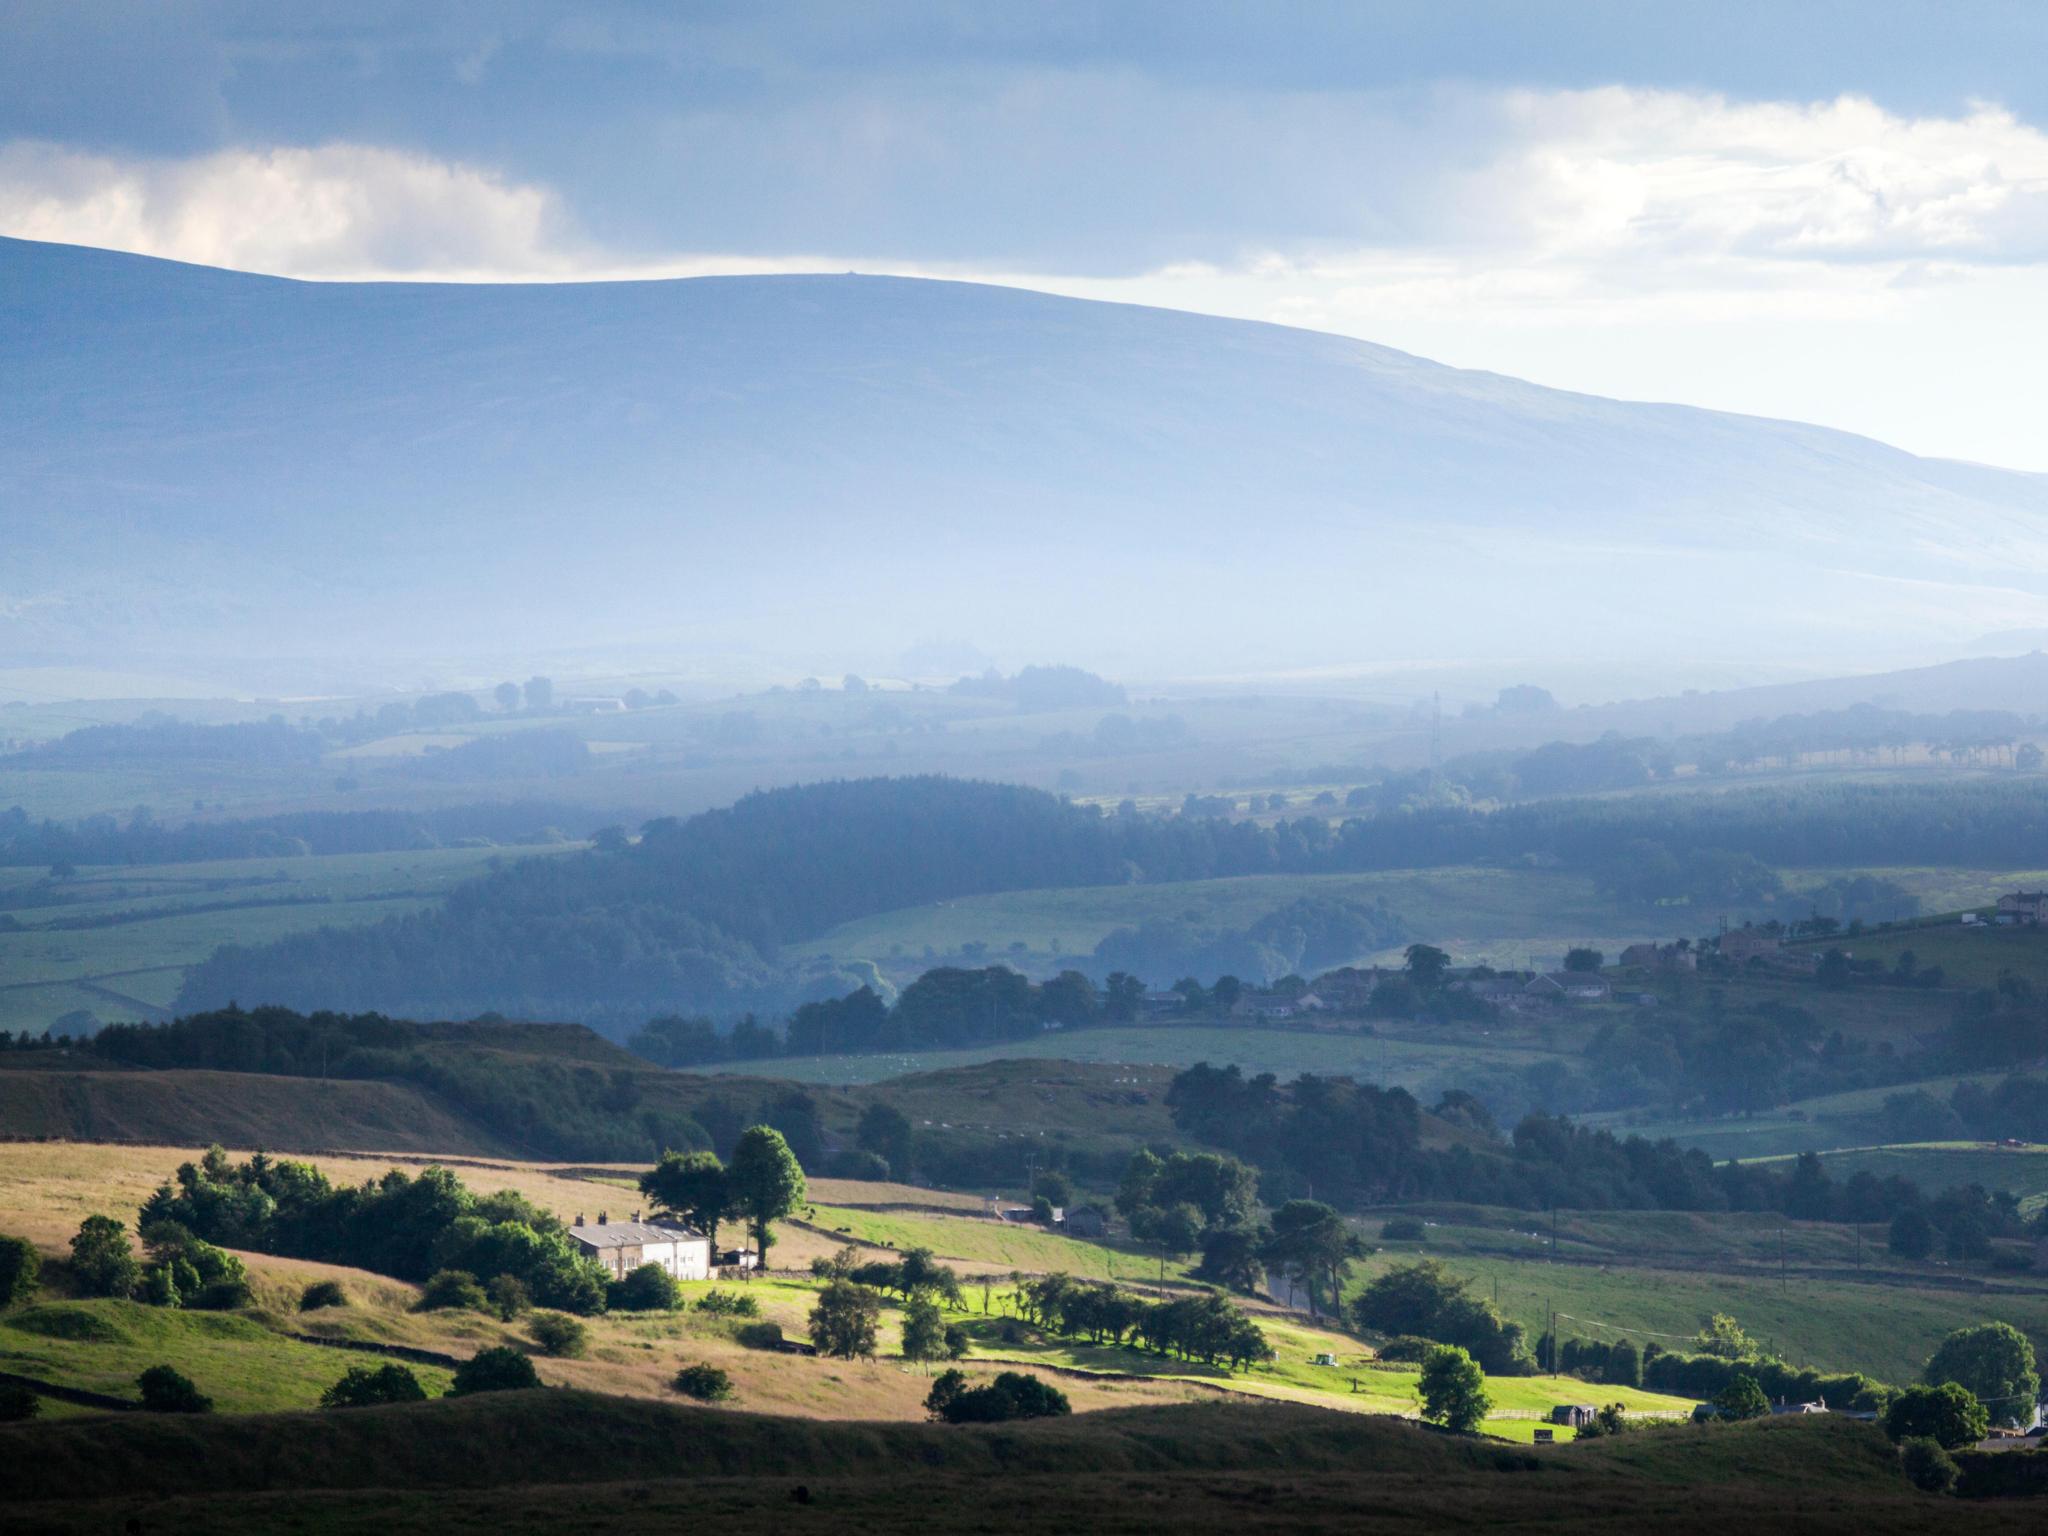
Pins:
<point x="692" y="1185"/>
<point x="102" y="1264"/>
<point x="507" y="695"/>
<point x="1426" y="965"/>
<point x="1453" y="1389"/>
<point x="540" y="693"/>
<point x="1995" y="1363"/>
<point x="1723" y="1337"/>
<point x="20" y="1265"/>
<point x="165" y="1390"/>
<point x="767" y="1182"/>
<point x="1948" y="1414"/>
<point x="924" y="1332"/>
<point x="843" y="1323"/>
<point x="498" y="1369"/>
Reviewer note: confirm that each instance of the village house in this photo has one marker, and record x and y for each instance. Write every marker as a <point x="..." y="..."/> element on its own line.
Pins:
<point x="1739" y="946"/>
<point x="2024" y="908"/>
<point x="1658" y="957"/>
<point x="623" y="1246"/>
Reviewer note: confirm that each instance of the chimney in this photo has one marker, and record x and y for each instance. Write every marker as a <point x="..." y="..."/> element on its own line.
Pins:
<point x="603" y="1217"/>
<point x="579" y="1218"/>
<point x="636" y="1218"/>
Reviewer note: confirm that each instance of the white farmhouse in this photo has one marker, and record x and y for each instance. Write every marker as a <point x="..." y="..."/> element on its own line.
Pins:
<point x="623" y="1246"/>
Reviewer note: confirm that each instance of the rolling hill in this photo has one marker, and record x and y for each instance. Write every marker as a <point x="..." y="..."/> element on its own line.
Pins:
<point x="250" y="474"/>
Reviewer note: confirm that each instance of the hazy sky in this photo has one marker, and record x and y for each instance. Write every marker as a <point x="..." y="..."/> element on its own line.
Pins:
<point x="1834" y="212"/>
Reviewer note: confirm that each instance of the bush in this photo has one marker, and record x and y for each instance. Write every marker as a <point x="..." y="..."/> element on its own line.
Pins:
<point x="510" y="1297"/>
<point x="1407" y="1349"/>
<point x="451" y="1289"/>
<point x="158" y="1288"/>
<point x="650" y="1288"/>
<point x="1927" y="1466"/>
<point x="364" y="1387"/>
<point x="1404" y="1229"/>
<point x="759" y="1335"/>
<point x="321" y="1294"/>
<point x="1949" y="1415"/>
<point x="957" y="1342"/>
<point x="499" y="1369"/>
<point x="102" y="1264"/>
<point x="1012" y="1395"/>
<point x="21" y="1263"/>
<point x="706" y="1383"/>
<point x="220" y="1296"/>
<point x="167" y="1391"/>
<point x="727" y="1304"/>
<point x="559" y="1334"/>
<point x="18" y="1403"/>
<point x="1742" y="1398"/>
<point x="843" y="1322"/>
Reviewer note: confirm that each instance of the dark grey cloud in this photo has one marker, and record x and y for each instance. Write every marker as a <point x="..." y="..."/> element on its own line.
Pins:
<point x="1054" y="136"/>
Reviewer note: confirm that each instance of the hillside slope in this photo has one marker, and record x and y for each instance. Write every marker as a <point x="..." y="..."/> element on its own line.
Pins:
<point x="215" y="465"/>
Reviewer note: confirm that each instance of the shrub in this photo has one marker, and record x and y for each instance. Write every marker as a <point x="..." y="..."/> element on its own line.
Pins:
<point x="364" y="1387"/>
<point x="1012" y="1395"/>
<point x="728" y="1304"/>
<point x="956" y="1342"/>
<point x="167" y="1391"/>
<point x="1742" y="1398"/>
<point x="759" y="1335"/>
<point x="510" y="1297"/>
<point x="843" y="1322"/>
<point x="21" y="1264"/>
<point x="498" y="1369"/>
<point x="1407" y="1349"/>
<point x="1927" y="1466"/>
<point x="159" y="1288"/>
<point x="322" y="1293"/>
<point x="1949" y="1415"/>
<point x="706" y="1383"/>
<point x="1404" y="1229"/>
<point x="18" y="1403"/>
<point x="559" y="1334"/>
<point x="451" y="1289"/>
<point x="650" y="1288"/>
<point x="220" y="1296"/>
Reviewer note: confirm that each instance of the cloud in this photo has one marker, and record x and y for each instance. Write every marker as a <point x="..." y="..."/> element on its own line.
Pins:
<point x="336" y="211"/>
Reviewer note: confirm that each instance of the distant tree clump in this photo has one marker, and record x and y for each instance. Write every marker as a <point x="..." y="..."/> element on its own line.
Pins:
<point x="498" y="1369"/>
<point x="694" y="1186"/>
<point x="1722" y="1336"/>
<point x="1948" y="1414"/>
<point x="165" y="1390"/>
<point x="1994" y="1362"/>
<point x="1011" y="1395"/>
<point x="452" y="1290"/>
<point x="509" y="1297"/>
<point x="649" y="1288"/>
<point x="368" y="1387"/>
<point x="1911" y="1235"/>
<point x="1927" y="1465"/>
<point x="1742" y="1399"/>
<point x="1425" y="1300"/>
<point x="1453" y="1390"/>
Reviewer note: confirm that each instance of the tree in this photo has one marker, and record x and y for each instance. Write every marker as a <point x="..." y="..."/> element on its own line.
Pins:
<point x="1453" y="1389"/>
<point x="1012" y="1395"/>
<point x="540" y="693"/>
<point x="1122" y="996"/>
<point x="1927" y="1466"/>
<point x="1053" y="1188"/>
<point x="1948" y="1414"/>
<point x="767" y="1182"/>
<point x="1311" y="1243"/>
<point x="322" y="1293"/>
<point x="706" y="1383"/>
<point x="692" y="1185"/>
<point x="452" y="1290"/>
<point x="1624" y="1366"/>
<point x="507" y="695"/>
<point x="365" y="1387"/>
<point x="924" y="1332"/>
<point x="21" y="1263"/>
<point x="948" y="1387"/>
<point x="1742" y="1398"/>
<point x="1230" y="1257"/>
<point x="18" y="1403"/>
<point x="165" y="1390"/>
<point x="885" y="1131"/>
<point x="509" y="1297"/>
<point x="649" y="1288"/>
<point x="1995" y="1363"/>
<point x="844" y="1320"/>
<point x="1426" y="966"/>
<point x="1722" y="1337"/>
<point x="1583" y="959"/>
<point x="1911" y="1235"/>
<point x="102" y="1264"/>
<point x="498" y="1369"/>
<point x="2029" y="758"/>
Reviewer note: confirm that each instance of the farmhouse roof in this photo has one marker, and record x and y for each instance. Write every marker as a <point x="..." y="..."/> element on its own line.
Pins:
<point x="632" y="1234"/>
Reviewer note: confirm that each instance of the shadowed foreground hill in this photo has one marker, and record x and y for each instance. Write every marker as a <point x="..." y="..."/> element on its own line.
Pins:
<point x="559" y="1460"/>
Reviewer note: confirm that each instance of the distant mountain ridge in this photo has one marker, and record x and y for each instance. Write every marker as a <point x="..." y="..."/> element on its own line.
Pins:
<point x="200" y="463"/>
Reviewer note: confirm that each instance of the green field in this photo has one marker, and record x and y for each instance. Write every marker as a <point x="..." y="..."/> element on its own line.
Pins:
<point x="993" y="1244"/>
<point x="133" y="969"/>
<point x="1943" y="1164"/>
<point x="1373" y="1058"/>
<point x="1974" y="956"/>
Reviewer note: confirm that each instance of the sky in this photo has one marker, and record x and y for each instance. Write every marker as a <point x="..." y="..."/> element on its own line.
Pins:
<point x="1824" y="211"/>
